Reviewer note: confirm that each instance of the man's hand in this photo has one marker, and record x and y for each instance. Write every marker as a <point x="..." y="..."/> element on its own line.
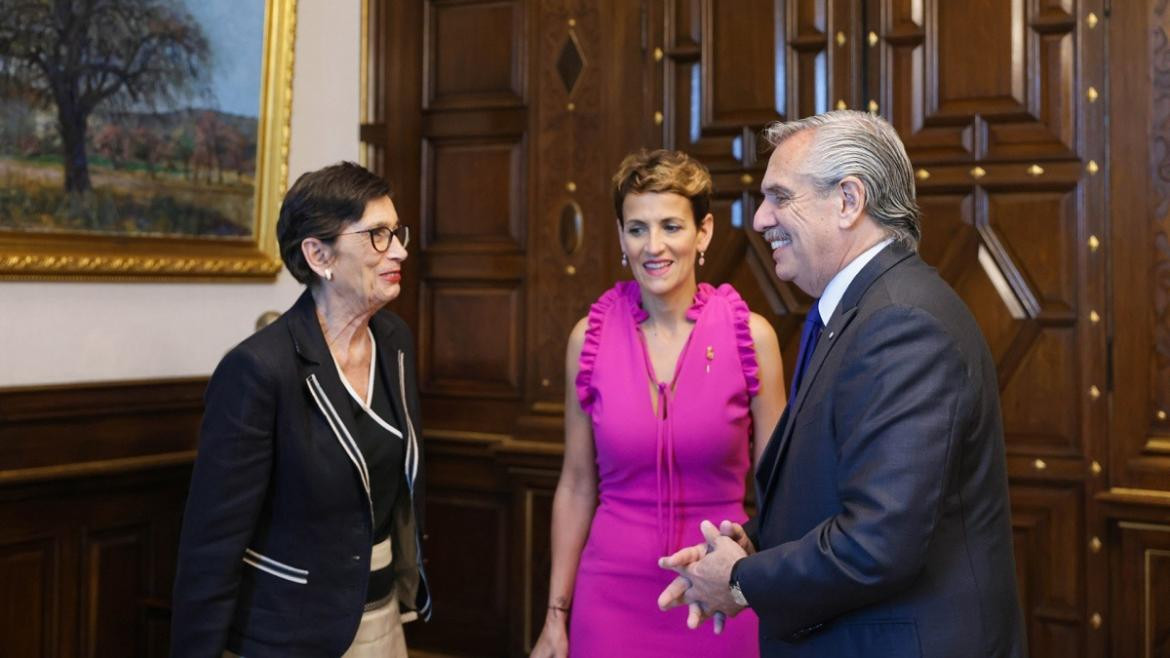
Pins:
<point x="736" y="532"/>
<point x="704" y="571"/>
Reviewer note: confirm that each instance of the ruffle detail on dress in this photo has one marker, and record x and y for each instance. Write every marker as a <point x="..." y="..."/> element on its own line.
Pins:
<point x="743" y="331"/>
<point x="633" y="296"/>
<point x="597" y="315"/>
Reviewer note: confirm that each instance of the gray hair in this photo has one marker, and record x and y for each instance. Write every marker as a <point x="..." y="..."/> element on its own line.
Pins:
<point x="851" y="143"/>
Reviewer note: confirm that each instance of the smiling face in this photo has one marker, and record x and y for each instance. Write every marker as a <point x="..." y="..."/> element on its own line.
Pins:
<point x="803" y="226"/>
<point x="363" y="276"/>
<point x="661" y="240"/>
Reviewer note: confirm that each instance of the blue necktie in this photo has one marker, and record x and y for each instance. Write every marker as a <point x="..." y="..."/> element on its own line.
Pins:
<point x="808" y="345"/>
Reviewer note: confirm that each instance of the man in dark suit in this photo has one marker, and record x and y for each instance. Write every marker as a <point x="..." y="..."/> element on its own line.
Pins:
<point x="884" y="526"/>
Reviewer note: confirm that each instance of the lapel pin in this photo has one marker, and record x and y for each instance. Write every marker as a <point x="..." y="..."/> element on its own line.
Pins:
<point x="710" y="357"/>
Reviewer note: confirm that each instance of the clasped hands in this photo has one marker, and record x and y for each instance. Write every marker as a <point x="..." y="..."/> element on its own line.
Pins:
<point x="704" y="573"/>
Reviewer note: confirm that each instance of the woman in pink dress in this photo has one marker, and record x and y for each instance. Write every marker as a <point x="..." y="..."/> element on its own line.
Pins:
<point x="673" y="388"/>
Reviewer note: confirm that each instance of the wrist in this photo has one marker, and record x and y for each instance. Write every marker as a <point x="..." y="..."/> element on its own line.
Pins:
<point x="733" y="583"/>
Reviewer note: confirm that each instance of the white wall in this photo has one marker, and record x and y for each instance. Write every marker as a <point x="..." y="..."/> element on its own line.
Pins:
<point x="74" y="332"/>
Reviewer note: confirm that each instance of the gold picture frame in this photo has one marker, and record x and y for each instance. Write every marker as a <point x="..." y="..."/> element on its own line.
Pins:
<point x="59" y="255"/>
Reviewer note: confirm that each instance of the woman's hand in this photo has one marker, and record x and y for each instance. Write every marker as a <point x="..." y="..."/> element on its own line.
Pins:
<point x="554" y="637"/>
<point x="737" y="534"/>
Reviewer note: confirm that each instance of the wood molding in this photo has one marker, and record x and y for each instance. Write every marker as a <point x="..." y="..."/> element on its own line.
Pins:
<point x="95" y="468"/>
<point x="1143" y="497"/>
<point x="56" y="432"/>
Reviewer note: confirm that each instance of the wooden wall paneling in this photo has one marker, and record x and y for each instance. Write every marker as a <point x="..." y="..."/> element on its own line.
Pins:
<point x="475" y="54"/>
<point x="391" y="128"/>
<point x="847" y="74"/>
<point x="49" y="431"/>
<point x="471" y="337"/>
<point x="29" y="600"/>
<point x="1136" y="548"/>
<point x="724" y="78"/>
<point x="743" y="67"/>
<point x="475" y="193"/>
<point x="1047" y="527"/>
<point x="1030" y="233"/>
<point x="992" y="80"/>
<point x="116" y="567"/>
<point x="1140" y="237"/>
<point x="468" y="572"/>
<point x="92" y="486"/>
<point x="904" y="71"/>
<point x="532" y="469"/>
<point x="585" y="119"/>
<point x="1145" y="575"/>
<point x="1134" y="490"/>
<point x="730" y="70"/>
<point x="809" y="48"/>
<point x="468" y="303"/>
<point x="1009" y="246"/>
<point x="987" y="97"/>
<point x="567" y="179"/>
<point x="1094" y="143"/>
<point x="994" y="102"/>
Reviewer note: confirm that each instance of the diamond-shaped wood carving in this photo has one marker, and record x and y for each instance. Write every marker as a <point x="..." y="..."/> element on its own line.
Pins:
<point x="570" y="63"/>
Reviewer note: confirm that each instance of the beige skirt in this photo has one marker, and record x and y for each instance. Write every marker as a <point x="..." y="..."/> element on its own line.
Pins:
<point x="379" y="635"/>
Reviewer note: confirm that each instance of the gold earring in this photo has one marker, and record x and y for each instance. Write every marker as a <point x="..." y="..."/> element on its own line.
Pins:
<point x="625" y="260"/>
<point x="702" y="258"/>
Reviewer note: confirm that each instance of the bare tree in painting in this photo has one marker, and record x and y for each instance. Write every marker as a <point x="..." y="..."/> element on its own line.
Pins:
<point x="80" y="54"/>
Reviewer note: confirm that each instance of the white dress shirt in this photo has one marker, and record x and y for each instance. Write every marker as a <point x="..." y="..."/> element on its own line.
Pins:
<point x="840" y="282"/>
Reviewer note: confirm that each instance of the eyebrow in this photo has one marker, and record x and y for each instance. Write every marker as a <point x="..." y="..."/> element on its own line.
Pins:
<point x="777" y="189"/>
<point x="668" y="218"/>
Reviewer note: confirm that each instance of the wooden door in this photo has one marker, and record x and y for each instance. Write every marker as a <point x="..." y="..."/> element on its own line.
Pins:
<point x="998" y="103"/>
<point x="1134" y="519"/>
<point x="992" y="100"/>
<point x="500" y="121"/>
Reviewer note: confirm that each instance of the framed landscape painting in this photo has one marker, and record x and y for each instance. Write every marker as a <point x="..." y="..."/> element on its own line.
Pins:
<point x="143" y="139"/>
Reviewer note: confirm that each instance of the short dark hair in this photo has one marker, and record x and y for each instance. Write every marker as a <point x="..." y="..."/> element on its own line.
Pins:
<point x="661" y="170"/>
<point x="320" y="205"/>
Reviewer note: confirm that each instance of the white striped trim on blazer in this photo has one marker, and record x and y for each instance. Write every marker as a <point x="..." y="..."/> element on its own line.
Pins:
<point x="275" y="567"/>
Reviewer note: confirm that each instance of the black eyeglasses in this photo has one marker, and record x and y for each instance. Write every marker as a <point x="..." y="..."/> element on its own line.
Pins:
<point x="380" y="236"/>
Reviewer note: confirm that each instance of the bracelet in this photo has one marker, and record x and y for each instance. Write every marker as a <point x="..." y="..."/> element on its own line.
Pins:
<point x="557" y="607"/>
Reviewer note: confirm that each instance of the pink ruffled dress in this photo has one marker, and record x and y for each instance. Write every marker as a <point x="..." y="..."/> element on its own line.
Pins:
<point x="661" y="473"/>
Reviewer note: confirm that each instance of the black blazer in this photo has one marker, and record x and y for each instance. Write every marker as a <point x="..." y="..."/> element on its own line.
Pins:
<point x="274" y="558"/>
<point x="884" y="527"/>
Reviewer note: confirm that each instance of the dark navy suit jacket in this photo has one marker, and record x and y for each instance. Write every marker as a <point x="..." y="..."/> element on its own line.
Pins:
<point x="274" y="558"/>
<point x="884" y="527"/>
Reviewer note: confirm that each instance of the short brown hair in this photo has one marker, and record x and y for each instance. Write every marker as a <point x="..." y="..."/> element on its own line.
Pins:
<point x="663" y="171"/>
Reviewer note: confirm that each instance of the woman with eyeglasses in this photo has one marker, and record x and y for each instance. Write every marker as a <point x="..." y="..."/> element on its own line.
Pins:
<point x="303" y="529"/>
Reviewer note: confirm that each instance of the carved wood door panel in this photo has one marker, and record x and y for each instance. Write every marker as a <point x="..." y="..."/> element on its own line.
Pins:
<point x="523" y="108"/>
<point x="727" y="70"/>
<point x="996" y="102"/>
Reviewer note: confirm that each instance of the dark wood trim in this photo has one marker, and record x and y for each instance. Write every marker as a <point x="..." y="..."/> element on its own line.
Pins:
<point x="76" y="430"/>
<point x="93" y="479"/>
<point x="100" y="467"/>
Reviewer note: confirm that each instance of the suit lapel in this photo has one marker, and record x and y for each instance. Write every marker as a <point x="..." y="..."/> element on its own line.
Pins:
<point x="325" y="391"/>
<point x="830" y="336"/>
<point x="388" y="364"/>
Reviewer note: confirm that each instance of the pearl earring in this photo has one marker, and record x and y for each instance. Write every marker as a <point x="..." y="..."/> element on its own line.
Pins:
<point x="625" y="260"/>
<point x="328" y="274"/>
<point x="702" y="258"/>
